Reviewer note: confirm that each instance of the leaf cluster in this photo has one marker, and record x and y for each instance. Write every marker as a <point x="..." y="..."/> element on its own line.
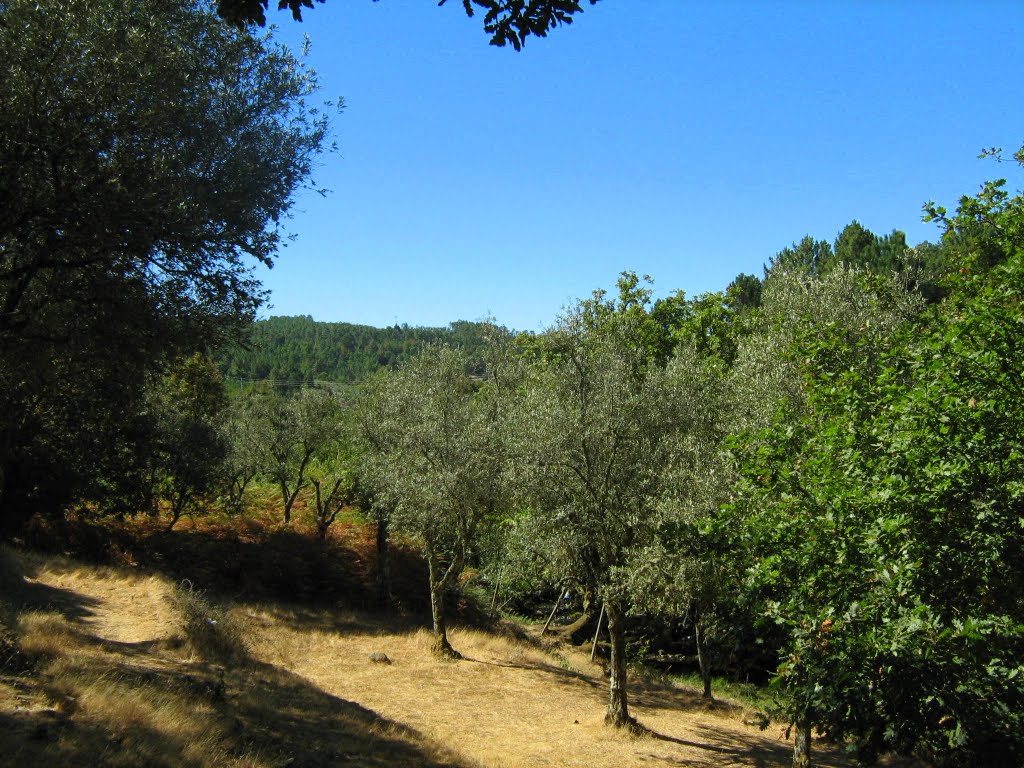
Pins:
<point x="508" y="22"/>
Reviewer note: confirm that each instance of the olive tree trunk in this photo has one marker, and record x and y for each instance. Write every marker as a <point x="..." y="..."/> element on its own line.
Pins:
<point x="439" y="580"/>
<point x="618" y="706"/>
<point x="703" y="658"/>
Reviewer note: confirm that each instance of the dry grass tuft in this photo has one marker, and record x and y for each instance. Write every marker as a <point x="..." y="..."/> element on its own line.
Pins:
<point x="211" y="632"/>
<point x="47" y="634"/>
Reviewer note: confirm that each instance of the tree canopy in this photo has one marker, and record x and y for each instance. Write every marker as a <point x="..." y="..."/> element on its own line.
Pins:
<point x="434" y="459"/>
<point x="508" y="22"/>
<point x="148" y="158"/>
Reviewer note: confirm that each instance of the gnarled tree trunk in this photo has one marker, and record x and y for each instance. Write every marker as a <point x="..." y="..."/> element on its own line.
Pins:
<point x="438" y="585"/>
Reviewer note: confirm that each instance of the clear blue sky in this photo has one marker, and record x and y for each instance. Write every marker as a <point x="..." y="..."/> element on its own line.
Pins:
<point x="687" y="140"/>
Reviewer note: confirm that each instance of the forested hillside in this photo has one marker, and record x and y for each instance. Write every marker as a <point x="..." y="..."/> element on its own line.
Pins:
<point x="300" y="349"/>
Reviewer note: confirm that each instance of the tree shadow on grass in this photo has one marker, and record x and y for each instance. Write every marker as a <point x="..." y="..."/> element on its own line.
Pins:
<point x="261" y="713"/>
<point x="723" y="748"/>
<point x="650" y="693"/>
<point x="560" y="674"/>
<point x="19" y="589"/>
<point x="727" y="749"/>
<point x="283" y="714"/>
<point x="251" y="711"/>
<point x="350" y="623"/>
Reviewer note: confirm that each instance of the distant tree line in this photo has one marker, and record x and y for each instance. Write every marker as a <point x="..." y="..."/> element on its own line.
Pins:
<point x="300" y="349"/>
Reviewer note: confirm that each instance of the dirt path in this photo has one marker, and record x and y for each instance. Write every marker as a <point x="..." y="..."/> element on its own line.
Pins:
<point x="109" y="604"/>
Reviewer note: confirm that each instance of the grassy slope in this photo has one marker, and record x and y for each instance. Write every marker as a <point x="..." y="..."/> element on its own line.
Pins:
<point x="108" y="665"/>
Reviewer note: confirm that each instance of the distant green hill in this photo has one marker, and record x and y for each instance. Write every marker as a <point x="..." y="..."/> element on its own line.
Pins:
<point x="300" y="349"/>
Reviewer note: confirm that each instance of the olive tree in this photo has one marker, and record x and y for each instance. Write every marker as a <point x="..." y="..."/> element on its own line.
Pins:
<point x="334" y="474"/>
<point x="295" y="431"/>
<point x="187" y="446"/>
<point x="686" y="567"/>
<point x="434" y="460"/>
<point x="241" y="433"/>
<point x="593" y="436"/>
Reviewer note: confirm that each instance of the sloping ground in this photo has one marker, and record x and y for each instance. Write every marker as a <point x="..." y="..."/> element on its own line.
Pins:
<point x="509" y="703"/>
<point x="103" y="673"/>
<point x="97" y="671"/>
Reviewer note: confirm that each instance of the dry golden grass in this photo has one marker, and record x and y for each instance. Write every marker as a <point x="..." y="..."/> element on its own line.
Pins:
<point x="510" y="703"/>
<point x="116" y="683"/>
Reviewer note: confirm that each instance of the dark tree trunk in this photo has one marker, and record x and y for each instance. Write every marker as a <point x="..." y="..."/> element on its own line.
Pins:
<point x="289" y="501"/>
<point x="177" y="507"/>
<point x="618" y="707"/>
<point x="326" y="508"/>
<point x="383" y="563"/>
<point x="802" y="745"/>
<point x="438" y="584"/>
<point x="703" y="658"/>
<point x="300" y="483"/>
<point x="236" y="493"/>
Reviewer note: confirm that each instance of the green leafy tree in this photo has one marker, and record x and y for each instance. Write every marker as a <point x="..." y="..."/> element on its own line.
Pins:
<point x="890" y="532"/>
<point x="333" y="491"/>
<point x="857" y="246"/>
<point x="187" y="448"/>
<point x="688" y="569"/>
<point x="887" y="522"/>
<point x="766" y="372"/>
<point x="771" y="397"/>
<point x="744" y="293"/>
<point x="684" y="567"/>
<point x="434" y="461"/>
<point x="148" y="156"/>
<point x="295" y="431"/>
<point x="810" y="256"/>
<point x="593" y="434"/>
<point x="240" y="430"/>
<point x="927" y="266"/>
<point x="334" y="475"/>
